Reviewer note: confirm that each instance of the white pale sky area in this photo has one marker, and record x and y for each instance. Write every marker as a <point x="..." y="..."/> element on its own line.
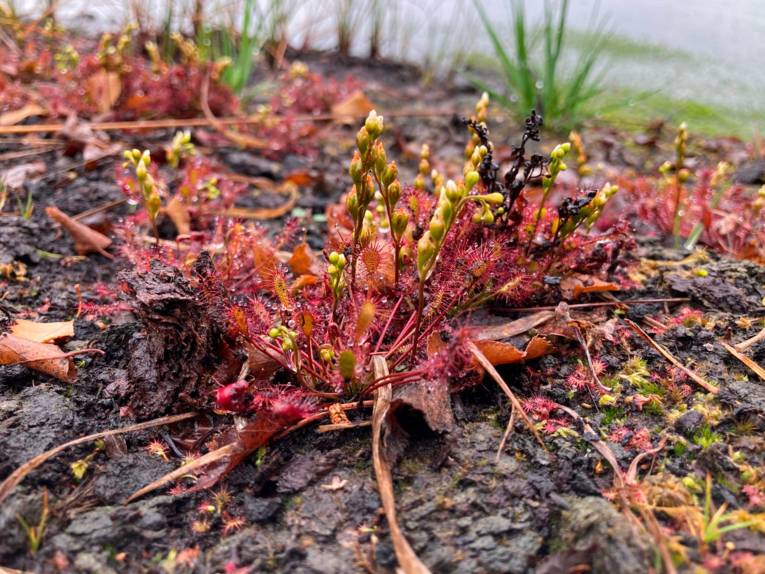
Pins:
<point x="716" y="47"/>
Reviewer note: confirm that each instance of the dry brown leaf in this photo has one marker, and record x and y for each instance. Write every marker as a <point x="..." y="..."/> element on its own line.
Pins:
<point x="42" y="332"/>
<point x="499" y="353"/>
<point x="352" y="108"/>
<point x="303" y="281"/>
<point x="575" y="285"/>
<point x="178" y="212"/>
<point x="104" y="88"/>
<point x="511" y="329"/>
<point x="302" y="260"/>
<point x="14" y="177"/>
<point x="86" y="240"/>
<point x="42" y="357"/>
<point x="17" y="116"/>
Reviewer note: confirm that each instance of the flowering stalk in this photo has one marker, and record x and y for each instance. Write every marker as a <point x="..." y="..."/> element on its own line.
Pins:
<point x="720" y="185"/>
<point x="680" y="177"/>
<point x="554" y="167"/>
<point x="362" y="165"/>
<point x="453" y="197"/>
<point x="149" y="189"/>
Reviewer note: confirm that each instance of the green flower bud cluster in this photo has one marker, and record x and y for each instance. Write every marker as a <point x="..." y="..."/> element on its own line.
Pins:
<point x="335" y="271"/>
<point x="368" y="159"/>
<point x="452" y="198"/>
<point x="424" y="168"/>
<point x="67" y="58"/>
<point x="586" y="215"/>
<point x="582" y="168"/>
<point x="759" y="203"/>
<point x="180" y="148"/>
<point x="481" y="115"/>
<point x="141" y="161"/>
<point x="554" y="167"/>
<point x="285" y="336"/>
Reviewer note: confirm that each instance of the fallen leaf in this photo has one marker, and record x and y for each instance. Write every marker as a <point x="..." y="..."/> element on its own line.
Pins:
<point x="42" y="357"/>
<point x="82" y="137"/>
<point x="42" y="332"/>
<point x="14" y="177"/>
<point x="178" y="212"/>
<point x="86" y="240"/>
<point x="104" y="88"/>
<point x="511" y="329"/>
<point x="573" y="286"/>
<point x="302" y="260"/>
<point x="352" y="108"/>
<point x="17" y="116"/>
<point x="500" y="353"/>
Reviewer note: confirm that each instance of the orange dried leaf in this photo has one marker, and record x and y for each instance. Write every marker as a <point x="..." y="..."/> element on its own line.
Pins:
<point x="352" y="108"/>
<point x="42" y="332"/>
<point x="104" y="88"/>
<point x="42" y="357"/>
<point x="576" y="285"/>
<point x="17" y="116"/>
<point x="302" y="259"/>
<point x="499" y="353"/>
<point x="178" y="212"/>
<point x="86" y="240"/>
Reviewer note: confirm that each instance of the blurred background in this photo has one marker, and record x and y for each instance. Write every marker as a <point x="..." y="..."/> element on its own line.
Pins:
<point x="699" y="61"/>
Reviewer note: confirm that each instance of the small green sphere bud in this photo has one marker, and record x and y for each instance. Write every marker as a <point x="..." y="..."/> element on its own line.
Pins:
<point x="394" y="192"/>
<point x="334" y="257"/>
<point x="390" y="174"/>
<point x="374" y="124"/>
<point x="452" y="192"/>
<point x="140" y="171"/>
<point x="437" y="230"/>
<point x="471" y="179"/>
<point x="355" y="168"/>
<point x="495" y="198"/>
<point x="341" y="261"/>
<point x="273" y="332"/>
<point x="379" y="158"/>
<point x="146" y="157"/>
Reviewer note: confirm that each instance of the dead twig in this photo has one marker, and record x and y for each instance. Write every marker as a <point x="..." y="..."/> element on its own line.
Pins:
<point x="733" y="350"/>
<point x="407" y="559"/>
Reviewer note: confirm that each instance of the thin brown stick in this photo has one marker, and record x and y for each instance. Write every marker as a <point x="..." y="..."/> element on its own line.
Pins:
<point x="18" y="475"/>
<point x="486" y="364"/>
<point x="173" y="123"/>
<point x="671" y="358"/>
<point x="508" y="430"/>
<point x="599" y="304"/>
<point x="757" y="369"/>
<point x="407" y="559"/>
<point x="99" y="208"/>
<point x="744" y="345"/>
<point x="342" y="426"/>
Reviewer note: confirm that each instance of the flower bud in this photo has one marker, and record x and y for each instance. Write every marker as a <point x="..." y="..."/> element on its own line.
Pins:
<point x="362" y="140"/>
<point x="471" y="179"/>
<point x="273" y="332"/>
<point x="437" y="229"/>
<point x="394" y="192"/>
<point x="352" y="203"/>
<point x="334" y="257"/>
<point x="487" y="218"/>
<point x="379" y="159"/>
<point x="146" y="157"/>
<point x="140" y="171"/>
<point x="153" y="203"/>
<point x="452" y="192"/>
<point x="355" y="168"/>
<point x="425" y="251"/>
<point x="399" y="222"/>
<point x="390" y="173"/>
<point x="374" y="124"/>
<point x="495" y="198"/>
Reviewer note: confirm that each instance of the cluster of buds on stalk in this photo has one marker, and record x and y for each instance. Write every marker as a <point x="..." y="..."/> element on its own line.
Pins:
<point x="180" y="148"/>
<point x="586" y="211"/>
<point x="423" y="170"/>
<point x="66" y="59"/>
<point x="681" y="175"/>
<point x="111" y="54"/>
<point x="141" y="161"/>
<point x="555" y="165"/>
<point x="452" y="198"/>
<point x="759" y="203"/>
<point x="335" y="271"/>
<point x="582" y="167"/>
<point x="366" y="163"/>
<point x="481" y="115"/>
<point x="286" y="337"/>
